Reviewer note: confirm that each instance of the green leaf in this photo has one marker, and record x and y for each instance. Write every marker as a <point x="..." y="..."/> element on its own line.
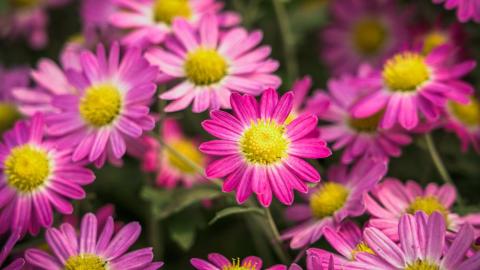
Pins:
<point x="168" y="202"/>
<point x="234" y="211"/>
<point x="182" y="232"/>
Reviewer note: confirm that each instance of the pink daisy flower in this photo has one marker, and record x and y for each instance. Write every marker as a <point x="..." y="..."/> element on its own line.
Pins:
<point x="362" y="32"/>
<point x="466" y="9"/>
<point x="151" y="21"/>
<point x="412" y="83"/>
<point x="210" y="65"/>
<point x="92" y="248"/>
<point x="217" y="261"/>
<point x="464" y="121"/>
<point x="50" y="80"/>
<point x="258" y="152"/>
<point x="28" y="19"/>
<point x="170" y="169"/>
<point x="391" y="199"/>
<point x="314" y="262"/>
<point x="34" y="176"/>
<point x="359" y="137"/>
<point x="422" y="246"/>
<point x="333" y="201"/>
<point x="10" y="78"/>
<point x="110" y="109"/>
<point x="17" y="264"/>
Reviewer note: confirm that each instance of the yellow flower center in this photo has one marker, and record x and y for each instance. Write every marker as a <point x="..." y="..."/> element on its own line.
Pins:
<point x="422" y="265"/>
<point x="427" y="204"/>
<point x="367" y="124"/>
<point x="432" y="40"/>
<point x="101" y="104"/>
<point x="23" y="3"/>
<point x="167" y="10"/>
<point x="468" y="114"/>
<point x="27" y="168"/>
<point x="85" y="262"/>
<point x="264" y="142"/>
<point x="369" y="35"/>
<point x="77" y="38"/>
<point x="189" y="150"/>
<point x="405" y="72"/>
<point x="236" y="265"/>
<point x="361" y="247"/>
<point x="328" y="199"/>
<point x="205" y="66"/>
<point x="8" y="115"/>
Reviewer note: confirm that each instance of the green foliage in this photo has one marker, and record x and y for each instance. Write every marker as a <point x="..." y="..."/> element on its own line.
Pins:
<point x="235" y="210"/>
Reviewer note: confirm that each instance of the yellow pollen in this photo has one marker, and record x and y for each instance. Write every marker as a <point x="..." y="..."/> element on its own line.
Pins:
<point x="369" y="36"/>
<point x="422" y="265"/>
<point x="329" y="198"/>
<point x="264" y="143"/>
<point x="85" y="262"/>
<point x="189" y="150"/>
<point x="361" y="247"/>
<point x="427" y="204"/>
<point x="205" y="67"/>
<point x="236" y="265"/>
<point x="77" y="38"/>
<point x="100" y="105"/>
<point x="27" y="168"/>
<point x="468" y="114"/>
<point x="405" y="72"/>
<point x="432" y="40"/>
<point x="367" y="124"/>
<point x="23" y="3"/>
<point x="167" y="10"/>
<point x="8" y="115"/>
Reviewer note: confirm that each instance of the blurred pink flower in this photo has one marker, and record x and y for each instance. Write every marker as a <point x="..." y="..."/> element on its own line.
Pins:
<point x="258" y="152"/>
<point x="149" y="22"/>
<point x="362" y="32"/>
<point x="414" y="86"/>
<point x="10" y="79"/>
<point x="17" y="264"/>
<point x="359" y="137"/>
<point x="92" y="248"/>
<point x="466" y="9"/>
<point x="210" y="65"/>
<point x="333" y="201"/>
<point x="171" y="170"/>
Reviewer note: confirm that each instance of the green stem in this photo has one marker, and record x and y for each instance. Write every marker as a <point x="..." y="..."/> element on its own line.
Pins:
<point x="437" y="161"/>
<point x="287" y="39"/>
<point x="277" y="242"/>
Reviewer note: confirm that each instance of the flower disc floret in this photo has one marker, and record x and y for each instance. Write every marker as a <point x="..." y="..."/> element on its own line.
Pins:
<point x="405" y="72"/>
<point x="167" y="10"/>
<point x="85" y="262"/>
<point x="101" y="104"/>
<point x="205" y="67"/>
<point x="328" y="199"/>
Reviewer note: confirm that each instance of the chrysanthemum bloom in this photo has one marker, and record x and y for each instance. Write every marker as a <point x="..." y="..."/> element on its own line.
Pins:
<point x="170" y="169"/>
<point x="150" y="21"/>
<point x="93" y="249"/>
<point x="315" y="261"/>
<point x="217" y="261"/>
<point x="422" y="247"/>
<point x="333" y="201"/>
<point x="464" y="121"/>
<point x="466" y="9"/>
<point x="259" y="152"/>
<point x="362" y="32"/>
<point x="433" y="36"/>
<point x="412" y="83"/>
<point x="391" y="199"/>
<point x="49" y="80"/>
<point x="111" y="108"/>
<point x="34" y="176"/>
<point x="27" y="19"/>
<point x="10" y="78"/>
<point x="210" y="64"/>
<point x="359" y="137"/>
<point x="11" y="241"/>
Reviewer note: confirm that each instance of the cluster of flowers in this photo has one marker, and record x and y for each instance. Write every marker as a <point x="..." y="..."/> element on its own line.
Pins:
<point x="95" y="107"/>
